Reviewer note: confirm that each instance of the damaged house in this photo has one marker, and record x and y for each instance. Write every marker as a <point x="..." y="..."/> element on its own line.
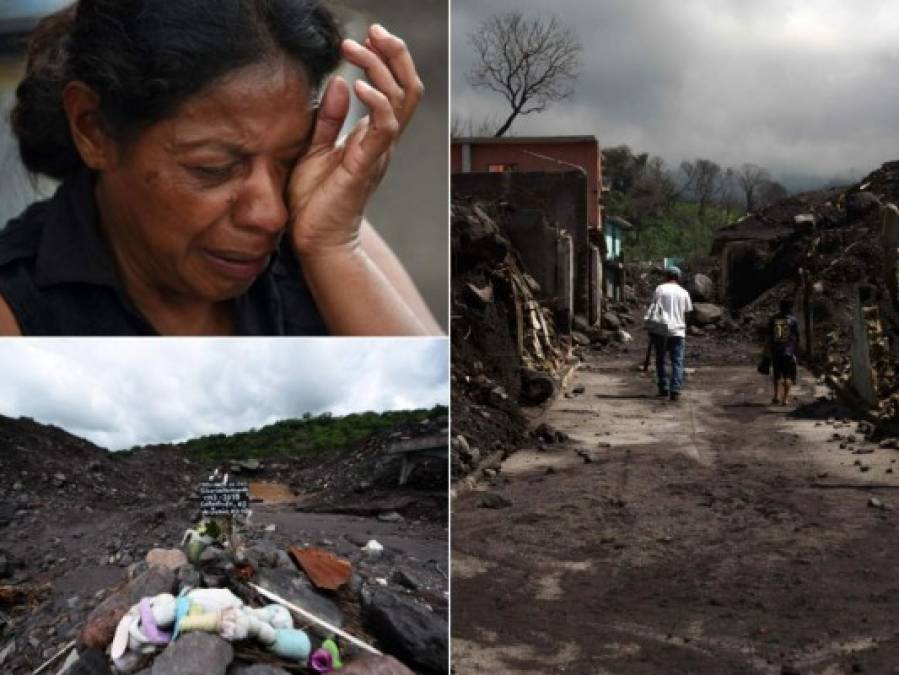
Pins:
<point x="835" y="253"/>
<point x="555" y="186"/>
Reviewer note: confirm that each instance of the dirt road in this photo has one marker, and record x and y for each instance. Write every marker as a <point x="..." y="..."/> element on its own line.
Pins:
<point x="718" y="534"/>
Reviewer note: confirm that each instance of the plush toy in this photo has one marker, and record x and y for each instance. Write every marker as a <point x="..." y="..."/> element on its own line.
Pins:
<point x="140" y="631"/>
<point x="211" y="610"/>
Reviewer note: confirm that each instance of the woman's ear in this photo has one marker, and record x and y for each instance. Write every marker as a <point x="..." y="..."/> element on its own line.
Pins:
<point x="94" y="144"/>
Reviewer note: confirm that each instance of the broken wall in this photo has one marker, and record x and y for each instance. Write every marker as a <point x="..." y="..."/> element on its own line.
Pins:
<point x="562" y="196"/>
<point x="546" y="253"/>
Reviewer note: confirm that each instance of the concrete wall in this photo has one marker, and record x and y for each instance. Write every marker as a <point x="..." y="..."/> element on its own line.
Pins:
<point x="889" y="241"/>
<point x="560" y="196"/>
<point x="862" y="379"/>
<point x="476" y="156"/>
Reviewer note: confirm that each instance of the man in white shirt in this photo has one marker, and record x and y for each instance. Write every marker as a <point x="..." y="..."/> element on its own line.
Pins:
<point x="676" y="302"/>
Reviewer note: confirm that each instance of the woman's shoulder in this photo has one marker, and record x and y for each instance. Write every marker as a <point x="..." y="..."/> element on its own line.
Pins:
<point x="21" y="237"/>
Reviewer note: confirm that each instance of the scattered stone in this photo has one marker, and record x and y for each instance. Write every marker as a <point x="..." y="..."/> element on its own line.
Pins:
<point x="536" y="387"/>
<point x="405" y="578"/>
<point x="579" y="338"/>
<point x="390" y="517"/>
<point x="170" y="558"/>
<point x="705" y="313"/>
<point x="255" y="669"/>
<point x="195" y="654"/>
<point x="408" y="629"/>
<point x="492" y="500"/>
<point x="875" y="503"/>
<point x="610" y="321"/>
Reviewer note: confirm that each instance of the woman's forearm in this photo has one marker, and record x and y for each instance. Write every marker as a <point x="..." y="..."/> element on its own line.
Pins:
<point x="386" y="260"/>
<point x="355" y="297"/>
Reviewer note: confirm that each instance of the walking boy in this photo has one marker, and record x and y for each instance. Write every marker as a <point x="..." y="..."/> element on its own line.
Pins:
<point x="783" y="343"/>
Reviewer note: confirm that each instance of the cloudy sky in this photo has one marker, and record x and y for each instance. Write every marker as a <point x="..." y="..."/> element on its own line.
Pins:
<point x="798" y="86"/>
<point x="119" y="392"/>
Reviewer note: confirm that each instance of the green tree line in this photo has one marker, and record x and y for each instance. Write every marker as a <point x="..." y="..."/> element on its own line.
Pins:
<point x="309" y="434"/>
<point x="677" y="213"/>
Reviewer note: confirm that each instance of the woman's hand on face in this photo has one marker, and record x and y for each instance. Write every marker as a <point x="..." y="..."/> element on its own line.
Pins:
<point x="332" y="182"/>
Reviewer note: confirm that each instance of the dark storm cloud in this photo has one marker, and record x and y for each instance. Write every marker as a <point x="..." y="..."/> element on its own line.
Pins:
<point x="798" y="86"/>
<point x="120" y="393"/>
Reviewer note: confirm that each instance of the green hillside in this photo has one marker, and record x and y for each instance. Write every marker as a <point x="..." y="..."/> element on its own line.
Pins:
<point x="309" y="434"/>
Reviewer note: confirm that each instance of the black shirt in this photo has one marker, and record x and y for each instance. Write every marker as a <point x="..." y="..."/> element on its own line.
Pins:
<point x="59" y="278"/>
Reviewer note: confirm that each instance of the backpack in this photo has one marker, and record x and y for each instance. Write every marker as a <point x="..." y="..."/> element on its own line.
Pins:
<point x="782" y="330"/>
<point x="656" y="320"/>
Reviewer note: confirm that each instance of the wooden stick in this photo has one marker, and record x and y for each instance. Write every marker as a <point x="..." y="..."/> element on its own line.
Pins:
<point x="53" y="658"/>
<point x="314" y="619"/>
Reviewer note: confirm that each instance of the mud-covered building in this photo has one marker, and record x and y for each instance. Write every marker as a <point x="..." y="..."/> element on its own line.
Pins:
<point x="560" y="176"/>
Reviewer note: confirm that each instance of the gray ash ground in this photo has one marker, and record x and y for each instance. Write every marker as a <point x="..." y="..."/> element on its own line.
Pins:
<point x="715" y="535"/>
<point x="74" y="518"/>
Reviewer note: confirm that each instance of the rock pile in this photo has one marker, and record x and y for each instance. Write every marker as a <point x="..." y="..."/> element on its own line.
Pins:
<point x="832" y="252"/>
<point x="506" y="350"/>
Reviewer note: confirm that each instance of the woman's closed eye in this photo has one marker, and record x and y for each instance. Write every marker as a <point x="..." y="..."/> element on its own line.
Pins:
<point x="213" y="171"/>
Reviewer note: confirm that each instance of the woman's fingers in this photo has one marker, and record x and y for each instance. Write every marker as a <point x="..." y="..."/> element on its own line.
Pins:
<point x="390" y="68"/>
<point x="376" y="70"/>
<point x="382" y="128"/>
<point x="395" y="52"/>
<point x="331" y="114"/>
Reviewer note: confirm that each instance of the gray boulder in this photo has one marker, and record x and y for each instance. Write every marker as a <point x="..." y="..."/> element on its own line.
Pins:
<point x="536" y="387"/>
<point x="195" y="654"/>
<point x="610" y="321"/>
<point x="701" y="288"/>
<point x="705" y="313"/>
<point x="408" y="630"/>
<point x="859" y="203"/>
<point x="255" y="669"/>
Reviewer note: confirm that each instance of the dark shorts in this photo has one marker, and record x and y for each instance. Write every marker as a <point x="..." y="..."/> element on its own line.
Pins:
<point x="783" y="367"/>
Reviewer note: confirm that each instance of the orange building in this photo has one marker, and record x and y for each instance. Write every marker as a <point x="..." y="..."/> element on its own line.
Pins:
<point x="535" y="153"/>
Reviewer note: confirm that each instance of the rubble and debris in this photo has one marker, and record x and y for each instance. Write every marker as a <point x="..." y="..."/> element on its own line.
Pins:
<point x="507" y="351"/>
<point x="82" y="556"/>
<point x="834" y="253"/>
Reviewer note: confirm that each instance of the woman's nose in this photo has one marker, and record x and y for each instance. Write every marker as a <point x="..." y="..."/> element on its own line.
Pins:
<point x="260" y="204"/>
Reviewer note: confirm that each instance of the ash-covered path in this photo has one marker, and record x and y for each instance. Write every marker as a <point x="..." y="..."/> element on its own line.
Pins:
<point x="716" y="535"/>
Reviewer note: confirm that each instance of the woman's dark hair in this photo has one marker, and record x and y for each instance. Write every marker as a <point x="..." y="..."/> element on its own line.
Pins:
<point x="143" y="58"/>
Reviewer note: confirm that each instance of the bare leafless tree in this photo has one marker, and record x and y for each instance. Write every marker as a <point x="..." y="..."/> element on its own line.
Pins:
<point x="531" y="62"/>
<point x="750" y="178"/>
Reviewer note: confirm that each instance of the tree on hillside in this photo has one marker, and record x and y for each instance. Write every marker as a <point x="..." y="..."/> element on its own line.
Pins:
<point x="531" y="62"/>
<point x="769" y="192"/>
<point x="750" y="178"/>
<point x="705" y="182"/>
<point x="621" y="168"/>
